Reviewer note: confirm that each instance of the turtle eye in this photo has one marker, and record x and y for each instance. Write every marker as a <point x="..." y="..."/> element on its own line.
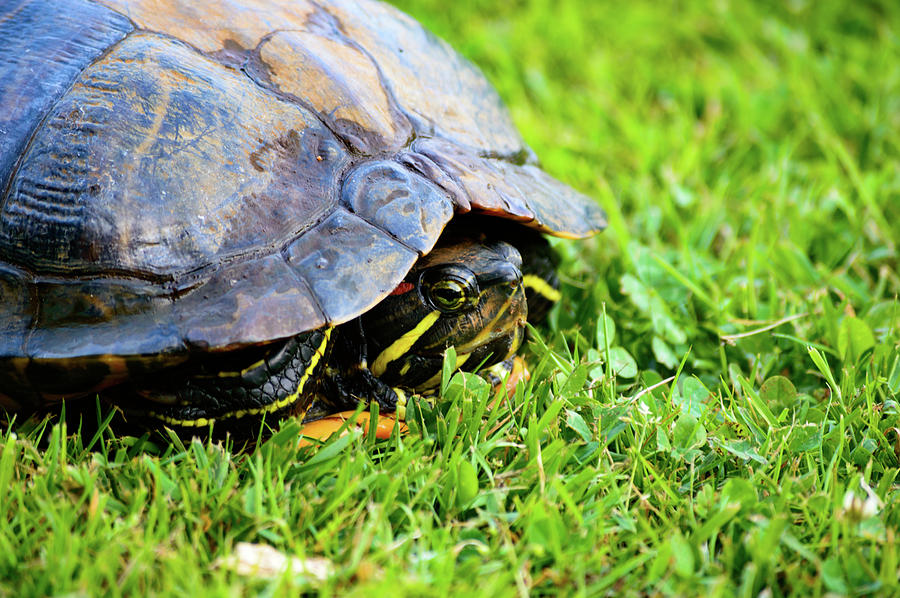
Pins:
<point x="449" y="289"/>
<point x="448" y="295"/>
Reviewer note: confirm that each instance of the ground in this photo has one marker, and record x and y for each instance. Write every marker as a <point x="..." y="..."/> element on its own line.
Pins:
<point x="713" y="407"/>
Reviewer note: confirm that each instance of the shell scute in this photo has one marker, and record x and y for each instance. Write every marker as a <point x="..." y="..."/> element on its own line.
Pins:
<point x="349" y="264"/>
<point x="179" y="165"/>
<point x="87" y="317"/>
<point x="245" y="303"/>
<point x="43" y="51"/>
<point x="341" y="84"/>
<point x="439" y="89"/>
<point x="517" y="191"/>
<point x="411" y="208"/>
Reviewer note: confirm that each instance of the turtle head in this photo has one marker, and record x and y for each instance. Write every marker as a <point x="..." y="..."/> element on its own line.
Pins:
<point x="469" y="292"/>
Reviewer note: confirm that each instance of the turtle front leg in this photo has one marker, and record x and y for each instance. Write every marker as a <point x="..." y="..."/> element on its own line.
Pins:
<point x="341" y="394"/>
<point x="234" y="397"/>
<point x="349" y="383"/>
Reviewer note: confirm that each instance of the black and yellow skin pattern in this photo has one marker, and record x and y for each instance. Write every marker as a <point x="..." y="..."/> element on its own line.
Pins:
<point x="469" y="293"/>
<point x="273" y="381"/>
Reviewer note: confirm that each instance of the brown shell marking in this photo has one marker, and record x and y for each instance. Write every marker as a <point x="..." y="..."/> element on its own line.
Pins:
<point x="434" y="84"/>
<point x="341" y="84"/>
<point x="210" y="26"/>
<point x="160" y="160"/>
<point x="448" y="96"/>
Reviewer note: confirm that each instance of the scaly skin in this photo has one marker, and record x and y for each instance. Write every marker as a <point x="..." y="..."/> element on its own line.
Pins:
<point x="386" y="356"/>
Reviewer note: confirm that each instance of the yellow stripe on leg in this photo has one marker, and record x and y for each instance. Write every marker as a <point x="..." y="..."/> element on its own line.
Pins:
<point x="270" y="408"/>
<point x="401" y="404"/>
<point x="244" y="371"/>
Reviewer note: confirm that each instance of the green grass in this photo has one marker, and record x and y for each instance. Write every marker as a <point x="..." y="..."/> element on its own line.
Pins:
<point x="747" y="154"/>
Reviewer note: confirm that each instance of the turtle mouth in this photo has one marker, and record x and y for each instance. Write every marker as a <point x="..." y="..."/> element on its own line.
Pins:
<point x="500" y="345"/>
<point x="493" y="351"/>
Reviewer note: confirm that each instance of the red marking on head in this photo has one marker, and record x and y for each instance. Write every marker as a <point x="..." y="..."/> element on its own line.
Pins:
<point x="403" y="287"/>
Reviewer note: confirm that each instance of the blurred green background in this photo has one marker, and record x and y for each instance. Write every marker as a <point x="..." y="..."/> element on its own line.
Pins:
<point x="747" y="154"/>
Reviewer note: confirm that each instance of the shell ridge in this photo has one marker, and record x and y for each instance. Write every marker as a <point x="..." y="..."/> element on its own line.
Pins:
<point x="278" y="92"/>
<point x="382" y="78"/>
<point x="320" y="309"/>
<point x="383" y="230"/>
<point x="406" y="205"/>
<point x="335" y="33"/>
<point x="283" y="252"/>
<point x="421" y="164"/>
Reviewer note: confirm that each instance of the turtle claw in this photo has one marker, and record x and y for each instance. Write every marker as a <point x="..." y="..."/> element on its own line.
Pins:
<point x="507" y="374"/>
<point x="503" y="376"/>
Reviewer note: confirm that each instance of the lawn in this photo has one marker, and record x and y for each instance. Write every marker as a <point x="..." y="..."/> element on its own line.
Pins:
<point x="713" y="407"/>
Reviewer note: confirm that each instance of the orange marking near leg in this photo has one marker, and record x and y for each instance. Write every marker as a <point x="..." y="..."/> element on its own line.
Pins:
<point x="519" y="372"/>
<point x="321" y="429"/>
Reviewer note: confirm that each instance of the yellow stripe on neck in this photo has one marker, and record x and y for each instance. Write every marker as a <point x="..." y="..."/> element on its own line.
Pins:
<point x="403" y="344"/>
<point x="541" y="286"/>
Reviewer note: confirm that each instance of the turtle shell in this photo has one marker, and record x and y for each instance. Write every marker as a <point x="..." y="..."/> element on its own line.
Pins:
<point x="179" y="176"/>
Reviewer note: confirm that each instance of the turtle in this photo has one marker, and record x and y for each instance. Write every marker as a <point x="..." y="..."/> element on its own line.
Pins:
<point x="212" y="214"/>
